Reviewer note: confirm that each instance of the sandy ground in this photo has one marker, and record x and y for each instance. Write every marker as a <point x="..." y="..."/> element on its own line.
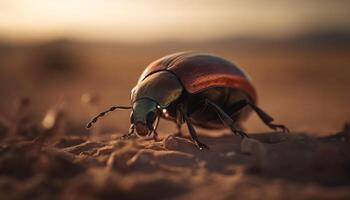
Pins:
<point x="46" y="153"/>
<point x="264" y="166"/>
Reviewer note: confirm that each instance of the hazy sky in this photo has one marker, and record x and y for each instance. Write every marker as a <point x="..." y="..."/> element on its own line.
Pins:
<point x="145" y="20"/>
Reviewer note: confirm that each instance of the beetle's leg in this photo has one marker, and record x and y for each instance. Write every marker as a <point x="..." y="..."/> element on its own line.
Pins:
<point x="179" y="132"/>
<point x="128" y="135"/>
<point x="192" y="130"/>
<point x="179" y="120"/>
<point x="194" y="136"/>
<point x="226" y="119"/>
<point x="155" y="136"/>
<point x="267" y="119"/>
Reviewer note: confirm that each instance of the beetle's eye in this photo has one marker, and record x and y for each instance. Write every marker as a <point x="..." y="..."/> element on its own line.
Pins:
<point x="151" y="117"/>
<point x="131" y="118"/>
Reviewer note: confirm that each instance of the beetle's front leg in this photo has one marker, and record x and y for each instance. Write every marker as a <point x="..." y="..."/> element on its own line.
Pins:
<point x="155" y="136"/>
<point x="128" y="135"/>
<point x="179" y="132"/>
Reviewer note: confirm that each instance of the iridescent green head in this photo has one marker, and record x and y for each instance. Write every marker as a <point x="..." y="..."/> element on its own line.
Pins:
<point x="144" y="115"/>
<point x="150" y="96"/>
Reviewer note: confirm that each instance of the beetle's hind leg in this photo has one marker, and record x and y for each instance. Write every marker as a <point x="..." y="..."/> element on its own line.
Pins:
<point x="267" y="119"/>
<point x="278" y="126"/>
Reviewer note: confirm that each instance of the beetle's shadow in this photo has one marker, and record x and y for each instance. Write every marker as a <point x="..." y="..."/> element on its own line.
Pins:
<point x="223" y="155"/>
<point x="294" y="157"/>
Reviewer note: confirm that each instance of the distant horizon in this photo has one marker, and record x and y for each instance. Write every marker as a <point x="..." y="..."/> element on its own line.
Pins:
<point x="311" y="34"/>
<point x="143" y="21"/>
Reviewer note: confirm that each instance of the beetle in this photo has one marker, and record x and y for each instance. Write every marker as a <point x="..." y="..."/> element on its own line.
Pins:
<point x="197" y="89"/>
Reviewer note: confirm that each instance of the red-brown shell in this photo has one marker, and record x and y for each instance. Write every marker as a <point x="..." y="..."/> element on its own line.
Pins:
<point x="198" y="72"/>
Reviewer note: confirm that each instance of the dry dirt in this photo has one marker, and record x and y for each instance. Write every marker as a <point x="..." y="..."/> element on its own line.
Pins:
<point x="265" y="166"/>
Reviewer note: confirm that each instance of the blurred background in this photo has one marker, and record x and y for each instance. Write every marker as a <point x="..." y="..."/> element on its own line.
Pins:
<point x="297" y="53"/>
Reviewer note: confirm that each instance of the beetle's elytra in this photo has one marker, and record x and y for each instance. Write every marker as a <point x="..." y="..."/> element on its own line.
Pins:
<point x="193" y="88"/>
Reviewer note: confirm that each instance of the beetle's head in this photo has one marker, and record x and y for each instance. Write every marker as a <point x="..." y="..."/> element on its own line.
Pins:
<point x="144" y="115"/>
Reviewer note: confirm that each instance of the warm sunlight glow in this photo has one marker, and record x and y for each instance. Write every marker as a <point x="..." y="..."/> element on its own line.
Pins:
<point x="158" y="20"/>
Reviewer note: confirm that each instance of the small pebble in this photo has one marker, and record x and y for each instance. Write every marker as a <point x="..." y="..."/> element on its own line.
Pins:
<point x="230" y="154"/>
<point x="170" y="142"/>
<point x="250" y="146"/>
<point x="178" y="143"/>
<point x="141" y="158"/>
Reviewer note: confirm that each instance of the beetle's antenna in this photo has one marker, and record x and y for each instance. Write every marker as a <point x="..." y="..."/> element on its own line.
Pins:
<point x="94" y="120"/>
